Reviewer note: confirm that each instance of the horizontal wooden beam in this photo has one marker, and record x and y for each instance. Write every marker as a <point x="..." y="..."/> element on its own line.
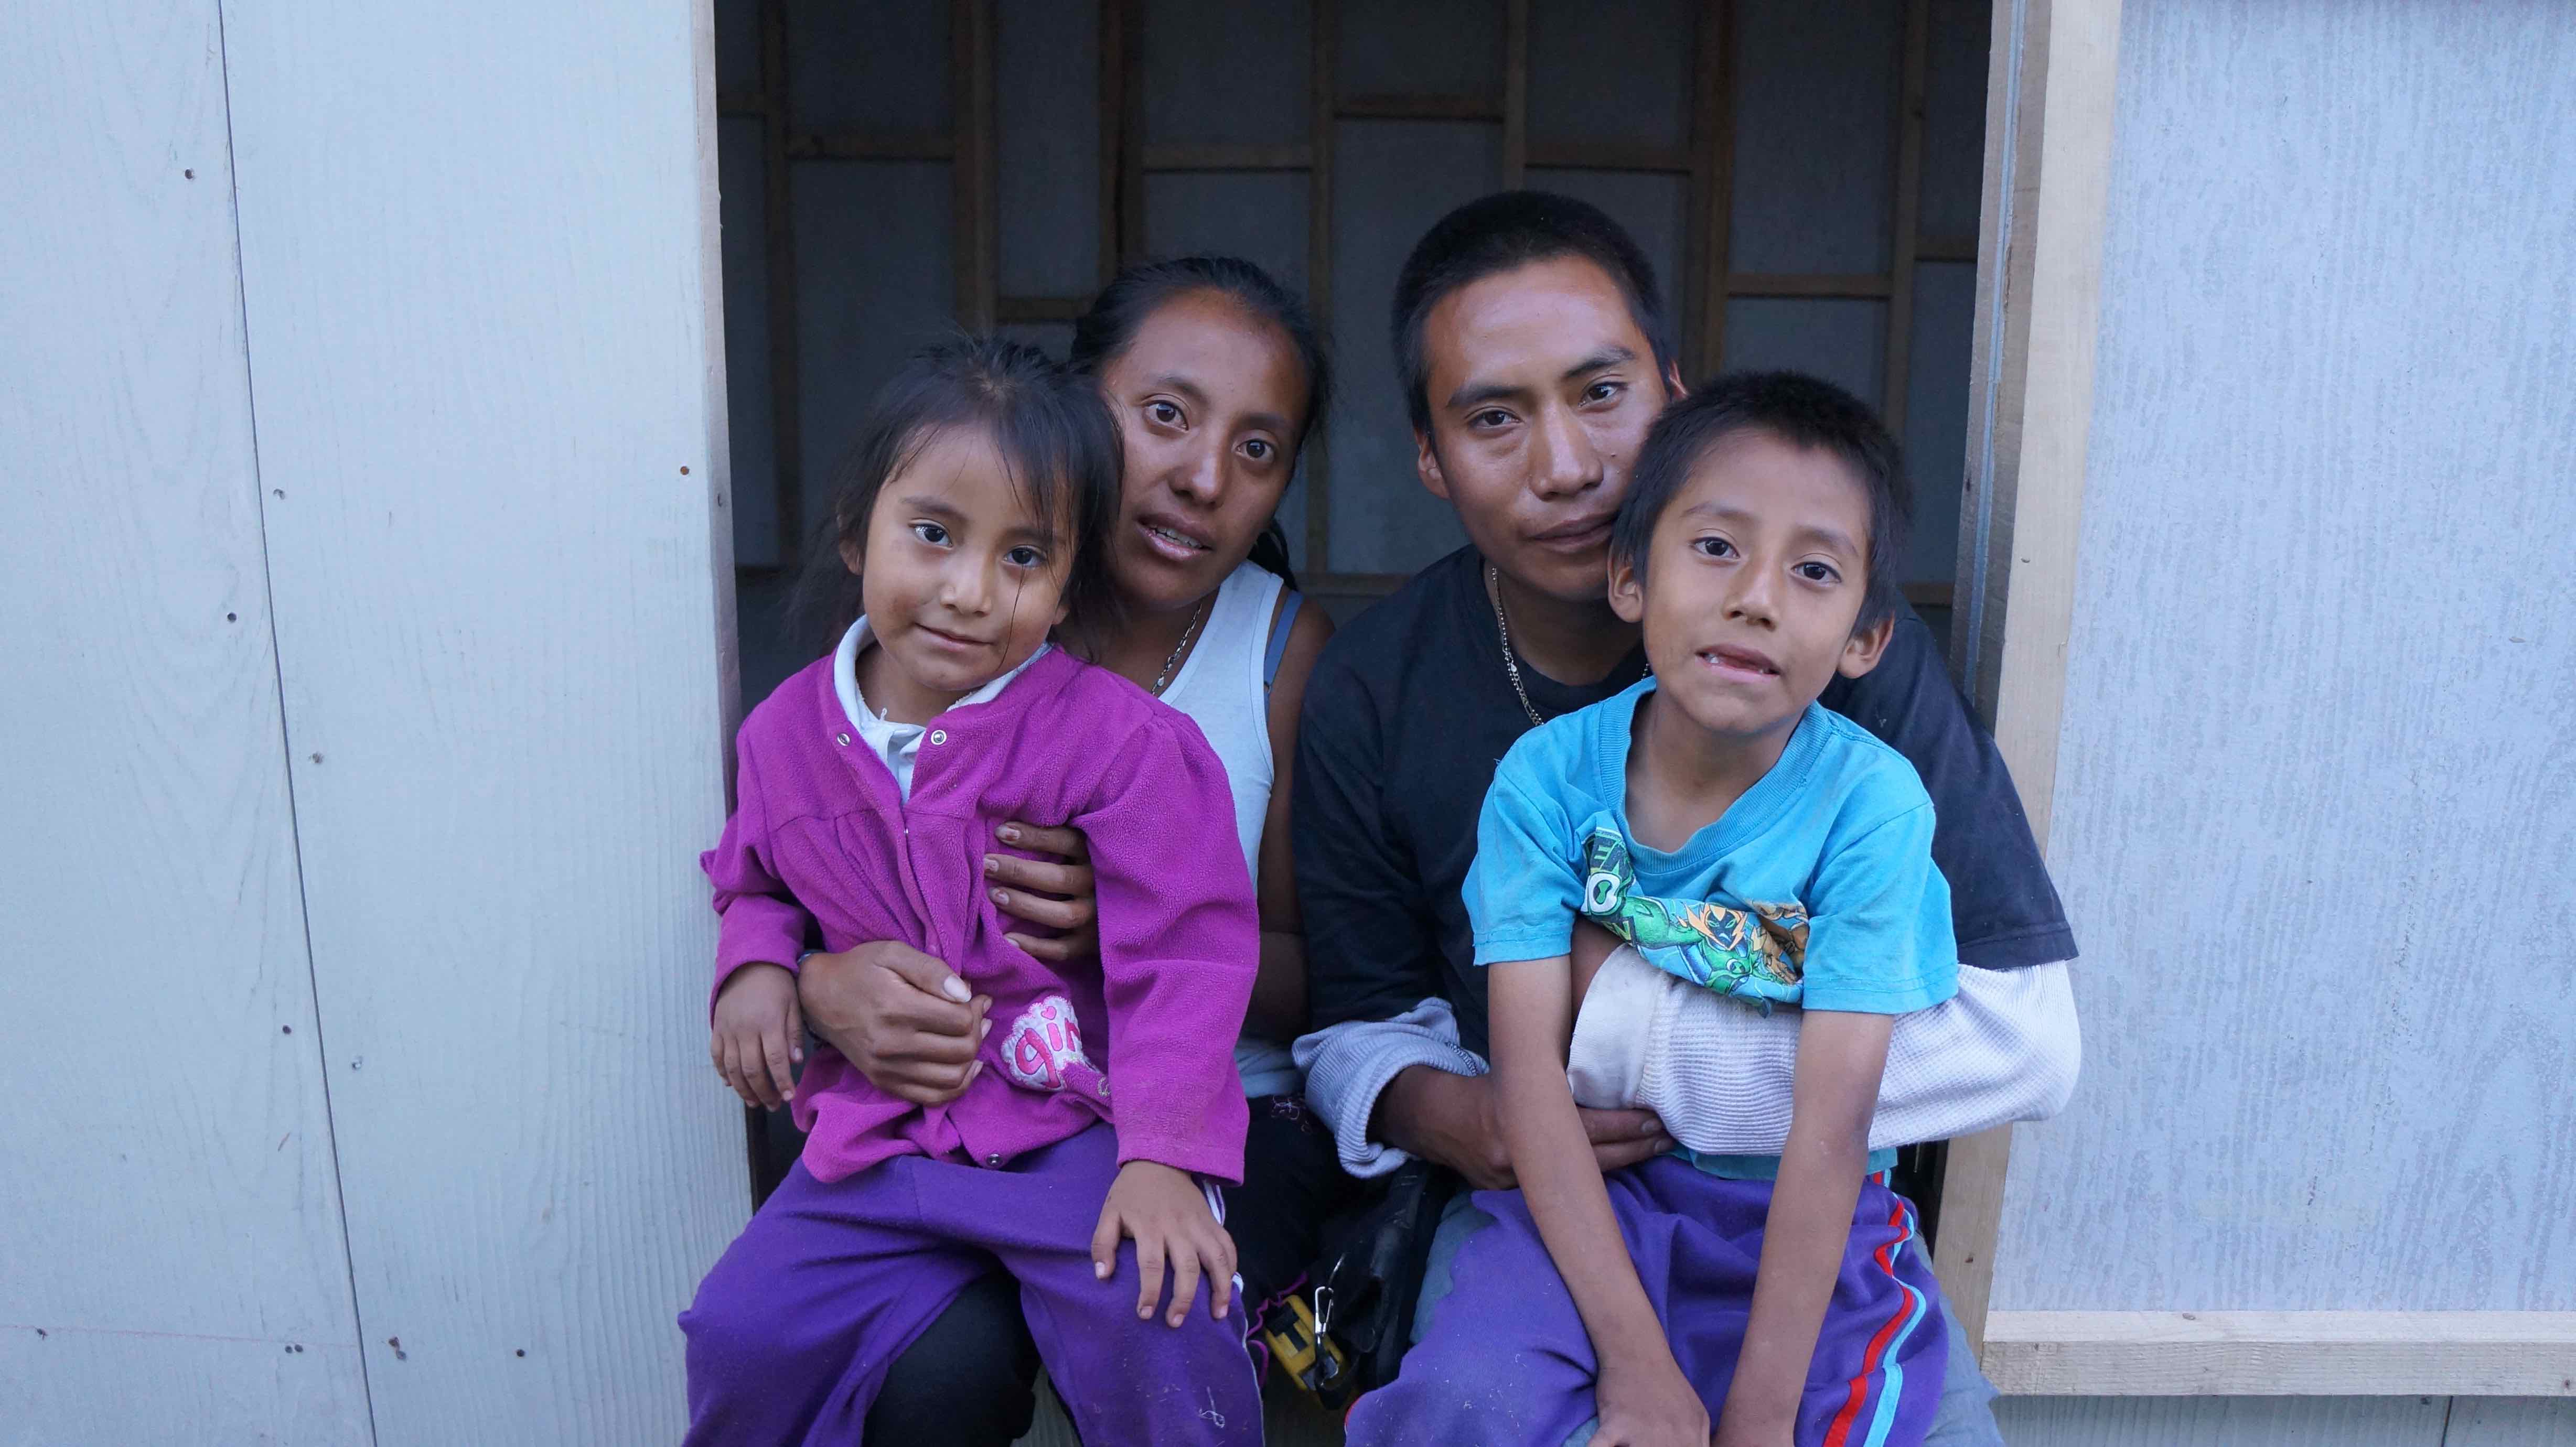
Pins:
<point x="1610" y="156"/>
<point x="1945" y="248"/>
<point x="1784" y="283"/>
<point x="1229" y="158"/>
<point x="871" y="146"/>
<point x="1040" y="308"/>
<point x="741" y="103"/>
<point x="1388" y="107"/>
<point x="2282" y="1353"/>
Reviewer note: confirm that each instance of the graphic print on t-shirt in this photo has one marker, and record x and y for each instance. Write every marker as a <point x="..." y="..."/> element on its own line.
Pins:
<point x="1756" y="953"/>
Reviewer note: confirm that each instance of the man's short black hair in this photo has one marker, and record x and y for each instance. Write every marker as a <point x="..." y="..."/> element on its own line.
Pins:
<point x="1498" y="233"/>
<point x="1803" y="411"/>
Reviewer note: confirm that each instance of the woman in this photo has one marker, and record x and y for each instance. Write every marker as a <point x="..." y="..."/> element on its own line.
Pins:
<point x="1216" y="379"/>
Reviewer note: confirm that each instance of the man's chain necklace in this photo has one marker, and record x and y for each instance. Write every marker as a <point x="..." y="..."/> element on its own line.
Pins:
<point x="1165" y="677"/>
<point x="1511" y="664"/>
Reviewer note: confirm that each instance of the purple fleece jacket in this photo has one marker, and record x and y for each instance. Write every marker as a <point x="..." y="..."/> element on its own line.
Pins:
<point x="822" y="846"/>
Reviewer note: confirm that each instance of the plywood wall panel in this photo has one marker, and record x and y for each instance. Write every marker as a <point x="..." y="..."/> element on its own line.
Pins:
<point x="1954" y="118"/>
<point x="1840" y="339"/>
<point x="1047" y="101"/>
<point x="488" y="380"/>
<point x="1936" y="413"/>
<point x="1391" y="180"/>
<point x="868" y="65"/>
<point x="2511" y="1421"/>
<point x="874" y="281"/>
<point x="1618" y="73"/>
<point x="1257" y="215"/>
<point x="1420" y="47"/>
<point x="1227" y="74"/>
<point x="1815" y="134"/>
<point x="173" y="1267"/>
<point x="2314" y="815"/>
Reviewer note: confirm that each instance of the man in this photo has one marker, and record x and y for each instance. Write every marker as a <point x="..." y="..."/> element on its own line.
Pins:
<point x="1531" y="343"/>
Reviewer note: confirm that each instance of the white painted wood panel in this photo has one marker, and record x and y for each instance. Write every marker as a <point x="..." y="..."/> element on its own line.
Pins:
<point x="2511" y="1422"/>
<point x="2314" y="814"/>
<point x="477" y="252"/>
<point x="2221" y="1421"/>
<point x="172" y="1269"/>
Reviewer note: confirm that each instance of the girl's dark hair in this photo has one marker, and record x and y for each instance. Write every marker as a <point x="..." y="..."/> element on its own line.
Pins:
<point x="1802" y="411"/>
<point x="1135" y="294"/>
<point x="1052" y="430"/>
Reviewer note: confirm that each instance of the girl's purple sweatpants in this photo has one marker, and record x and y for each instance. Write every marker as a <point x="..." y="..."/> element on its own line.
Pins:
<point x="792" y="1332"/>
<point x="1503" y="1357"/>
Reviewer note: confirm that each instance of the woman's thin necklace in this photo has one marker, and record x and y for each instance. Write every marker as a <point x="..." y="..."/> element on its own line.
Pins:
<point x="1163" y="679"/>
<point x="1503" y="626"/>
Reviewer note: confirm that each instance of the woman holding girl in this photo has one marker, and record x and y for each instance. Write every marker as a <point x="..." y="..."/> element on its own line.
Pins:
<point x="1215" y="381"/>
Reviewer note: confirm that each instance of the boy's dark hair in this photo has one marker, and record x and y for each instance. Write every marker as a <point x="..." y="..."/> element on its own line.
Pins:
<point x="1135" y="294"/>
<point x="1499" y="233"/>
<point x="1051" y="429"/>
<point x="1803" y="411"/>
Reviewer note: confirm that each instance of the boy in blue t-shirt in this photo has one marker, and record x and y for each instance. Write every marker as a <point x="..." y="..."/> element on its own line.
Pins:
<point x="1742" y="837"/>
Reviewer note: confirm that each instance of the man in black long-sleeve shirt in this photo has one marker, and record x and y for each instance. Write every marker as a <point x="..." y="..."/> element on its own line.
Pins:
<point x="1531" y="343"/>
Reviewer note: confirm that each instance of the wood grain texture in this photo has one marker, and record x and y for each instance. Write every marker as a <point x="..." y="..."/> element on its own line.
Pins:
<point x="2282" y="1353"/>
<point x="2314" y="810"/>
<point x="2510" y="1422"/>
<point x="165" y="1173"/>
<point x="482" y="347"/>
<point x="2221" y="1422"/>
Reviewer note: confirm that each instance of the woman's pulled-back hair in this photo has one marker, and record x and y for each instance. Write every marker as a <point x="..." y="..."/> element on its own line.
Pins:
<point x="1135" y="294"/>
<point x="1051" y="429"/>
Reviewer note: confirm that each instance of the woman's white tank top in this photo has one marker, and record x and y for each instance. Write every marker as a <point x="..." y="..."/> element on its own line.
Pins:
<point x="1222" y="688"/>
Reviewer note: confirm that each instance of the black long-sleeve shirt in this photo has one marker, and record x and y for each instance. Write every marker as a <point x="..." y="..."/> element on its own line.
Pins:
<point x="1407" y="715"/>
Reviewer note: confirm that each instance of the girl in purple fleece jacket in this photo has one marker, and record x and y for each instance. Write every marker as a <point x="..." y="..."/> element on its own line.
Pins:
<point x="972" y="521"/>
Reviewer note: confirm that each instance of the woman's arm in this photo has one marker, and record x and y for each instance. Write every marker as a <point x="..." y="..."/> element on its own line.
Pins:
<point x="1279" y="991"/>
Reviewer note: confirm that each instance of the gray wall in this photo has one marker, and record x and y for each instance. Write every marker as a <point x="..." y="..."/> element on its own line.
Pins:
<point x="2315" y="813"/>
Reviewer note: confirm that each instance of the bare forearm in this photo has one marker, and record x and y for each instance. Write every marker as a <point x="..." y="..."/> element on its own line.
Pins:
<point x="1803" y="1240"/>
<point x="1279" y="990"/>
<point x="1563" y="1186"/>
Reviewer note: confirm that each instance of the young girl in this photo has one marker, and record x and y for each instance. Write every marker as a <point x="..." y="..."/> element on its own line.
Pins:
<point x="972" y="520"/>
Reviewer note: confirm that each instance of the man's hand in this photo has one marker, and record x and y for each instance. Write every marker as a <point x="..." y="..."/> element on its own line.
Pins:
<point x="904" y="1019"/>
<point x="1059" y="896"/>
<point x="1450" y="1119"/>
<point x="1163" y="1209"/>
<point x="757" y="1037"/>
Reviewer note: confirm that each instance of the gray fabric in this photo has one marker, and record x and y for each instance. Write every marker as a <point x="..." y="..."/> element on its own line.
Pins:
<point x="1349" y="1064"/>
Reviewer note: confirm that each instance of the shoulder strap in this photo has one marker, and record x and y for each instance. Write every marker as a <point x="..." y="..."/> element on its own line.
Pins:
<point x="1289" y="602"/>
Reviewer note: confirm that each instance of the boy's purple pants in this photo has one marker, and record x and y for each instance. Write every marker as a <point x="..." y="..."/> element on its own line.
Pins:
<point x="791" y="1334"/>
<point x="1504" y="1359"/>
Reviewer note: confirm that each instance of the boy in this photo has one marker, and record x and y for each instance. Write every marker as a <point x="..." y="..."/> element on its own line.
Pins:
<point x="1746" y="839"/>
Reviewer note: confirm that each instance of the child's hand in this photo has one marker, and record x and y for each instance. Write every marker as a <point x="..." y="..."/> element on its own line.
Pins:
<point x="1649" y="1404"/>
<point x="1169" y="1219"/>
<point x="758" y="1034"/>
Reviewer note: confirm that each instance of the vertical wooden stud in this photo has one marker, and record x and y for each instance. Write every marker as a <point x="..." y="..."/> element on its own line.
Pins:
<point x="1131" y="129"/>
<point x="776" y="223"/>
<point x="1322" y="88"/>
<point x="1907" y="211"/>
<point x="1713" y="99"/>
<point x="1515" y="93"/>
<point x="972" y="188"/>
<point x="1113" y="130"/>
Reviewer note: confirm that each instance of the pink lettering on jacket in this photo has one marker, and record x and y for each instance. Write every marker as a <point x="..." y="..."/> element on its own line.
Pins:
<point x="1044" y="1044"/>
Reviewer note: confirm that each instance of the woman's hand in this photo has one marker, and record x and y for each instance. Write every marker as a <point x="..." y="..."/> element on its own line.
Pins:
<point x="758" y="1036"/>
<point x="1650" y="1403"/>
<point x="1164" y="1211"/>
<point x="1058" y="896"/>
<point x="904" y="1019"/>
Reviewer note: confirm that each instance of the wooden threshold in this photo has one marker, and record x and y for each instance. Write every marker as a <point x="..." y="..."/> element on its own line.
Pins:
<point x="2282" y="1353"/>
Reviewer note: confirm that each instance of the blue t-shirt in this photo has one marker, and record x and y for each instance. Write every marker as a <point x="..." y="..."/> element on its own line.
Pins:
<point x="1816" y="888"/>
